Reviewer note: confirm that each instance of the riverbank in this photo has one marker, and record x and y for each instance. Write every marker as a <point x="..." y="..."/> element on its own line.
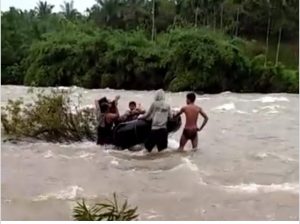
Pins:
<point x="181" y="59"/>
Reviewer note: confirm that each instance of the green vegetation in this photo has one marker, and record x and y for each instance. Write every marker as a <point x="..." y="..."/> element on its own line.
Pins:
<point x="183" y="45"/>
<point x="105" y="211"/>
<point x="49" y="117"/>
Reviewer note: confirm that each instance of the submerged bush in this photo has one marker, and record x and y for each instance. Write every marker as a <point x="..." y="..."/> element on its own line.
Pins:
<point x="105" y="211"/>
<point x="50" y="117"/>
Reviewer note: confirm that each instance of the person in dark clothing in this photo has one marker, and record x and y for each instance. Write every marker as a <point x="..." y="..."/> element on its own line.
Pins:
<point x="106" y="121"/>
<point x="112" y="103"/>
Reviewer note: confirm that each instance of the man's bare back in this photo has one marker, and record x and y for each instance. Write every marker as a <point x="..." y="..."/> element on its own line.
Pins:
<point x="191" y="114"/>
<point x="190" y="131"/>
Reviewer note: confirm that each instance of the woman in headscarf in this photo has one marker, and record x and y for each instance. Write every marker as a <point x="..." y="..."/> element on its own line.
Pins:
<point x="159" y="112"/>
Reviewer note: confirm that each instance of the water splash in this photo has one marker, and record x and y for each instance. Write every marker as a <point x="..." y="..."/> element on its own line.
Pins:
<point x="270" y="99"/>
<point x="70" y="193"/>
<point x="257" y="188"/>
<point x="225" y="107"/>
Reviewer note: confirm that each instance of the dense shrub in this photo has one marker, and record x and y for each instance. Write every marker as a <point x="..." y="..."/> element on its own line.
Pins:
<point x="182" y="59"/>
<point x="51" y="117"/>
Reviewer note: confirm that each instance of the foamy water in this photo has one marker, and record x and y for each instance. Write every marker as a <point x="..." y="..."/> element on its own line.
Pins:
<point x="257" y="188"/>
<point x="246" y="167"/>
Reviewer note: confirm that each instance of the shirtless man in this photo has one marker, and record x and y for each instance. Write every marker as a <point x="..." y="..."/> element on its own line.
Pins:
<point x="190" y="130"/>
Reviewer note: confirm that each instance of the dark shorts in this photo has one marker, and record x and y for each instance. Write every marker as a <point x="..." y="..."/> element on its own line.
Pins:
<point x="104" y="136"/>
<point x="190" y="134"/>
<point x="157" y="138"/>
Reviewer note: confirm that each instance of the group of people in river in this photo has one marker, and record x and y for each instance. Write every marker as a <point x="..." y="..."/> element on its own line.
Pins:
<point x="159" y="113"/>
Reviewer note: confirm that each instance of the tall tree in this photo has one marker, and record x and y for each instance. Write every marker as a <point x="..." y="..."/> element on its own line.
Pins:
<point x="268" y="30"/>
<point x="43" y="8"/>
<point x="238" y="4"/>
<point x="153" y="20"/>
<point x="68" y="10"/>
<point x="280" y="10"/>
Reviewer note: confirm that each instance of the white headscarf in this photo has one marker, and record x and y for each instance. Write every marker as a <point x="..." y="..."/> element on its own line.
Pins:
<point x="159" y="95"/>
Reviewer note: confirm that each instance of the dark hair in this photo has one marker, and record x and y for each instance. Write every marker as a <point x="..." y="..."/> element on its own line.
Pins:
<point x="132" y="103"/>
<point x="104" y="107"/>
<point x="191" y="97"/>
<point x="102" y="100"/>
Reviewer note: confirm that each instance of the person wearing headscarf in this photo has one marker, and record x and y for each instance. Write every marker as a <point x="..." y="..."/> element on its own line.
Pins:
<point x="159" y="113"/>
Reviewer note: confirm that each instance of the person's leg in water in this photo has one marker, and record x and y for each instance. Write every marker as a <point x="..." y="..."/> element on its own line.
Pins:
<point x="161" y="139"/>
<point x="195" y="143"/>
<point x="188" y="134"/>
<point x="99" y="142"/>
<point x="150" y="142"/>
<point x="182" y="143"/>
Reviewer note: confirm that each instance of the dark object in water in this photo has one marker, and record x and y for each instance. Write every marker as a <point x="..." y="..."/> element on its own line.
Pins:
<point x="131" y="133"/>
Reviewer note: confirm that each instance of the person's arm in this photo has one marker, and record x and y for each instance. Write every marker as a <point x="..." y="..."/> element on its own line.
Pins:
<point x="148" y="114"/>
<point x="179" y="112"/>
<point x="116" y="100"/>
<point x="97" y="109"/>
<point x="169" y="113"/>
<point x="97" y="105"/>
<point x="139" y="111"/>
<point x="204" y="115"/>
<point x="124" y="116"/>
<point x="142" y="111"/>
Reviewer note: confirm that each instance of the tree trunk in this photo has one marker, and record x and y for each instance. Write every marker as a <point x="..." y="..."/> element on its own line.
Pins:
<point x="174" y="21"/>
<point x="267" y="38"/>
<point x="278" y="45"/>
<point x="207" y="20"/>
<point x="215" y="19"/>
<point x="237" y="22"/>
<point x="221" y="17"/>
<point x="153" y="20"/>
<point x="196" y="16"/>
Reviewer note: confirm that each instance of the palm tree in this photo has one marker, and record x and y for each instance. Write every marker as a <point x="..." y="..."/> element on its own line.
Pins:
<point x="268" y="31"/>
<point x="110" y="9"/>
<point x="238" y="3"/>
<point x="68" y="10"/>
<point x="153" y="20"/>
<point x="134" y="12"/>
<point x="280" y="9"/>
<point x="43" y="8"/>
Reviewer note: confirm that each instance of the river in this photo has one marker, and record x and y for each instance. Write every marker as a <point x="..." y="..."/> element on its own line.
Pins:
<point x="246" y="168"/>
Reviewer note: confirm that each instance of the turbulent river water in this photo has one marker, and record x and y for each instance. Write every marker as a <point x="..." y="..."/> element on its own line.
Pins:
<point x="246" y="168"/>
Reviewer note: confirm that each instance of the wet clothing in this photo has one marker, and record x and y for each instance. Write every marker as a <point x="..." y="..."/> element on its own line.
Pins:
<point x="159" y="138"/>
<point x="104" y="135"/>
<point x="159" y="112"/>
<point x="104" y="130"/>
<point x="190" y="134"/>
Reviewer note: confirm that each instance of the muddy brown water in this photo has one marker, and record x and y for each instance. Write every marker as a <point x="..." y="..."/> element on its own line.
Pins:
<point x="246" y="168"/>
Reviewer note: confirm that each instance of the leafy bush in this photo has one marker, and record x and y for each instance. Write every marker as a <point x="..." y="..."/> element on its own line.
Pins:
<point x="182" y="59"/>
<point x="105" y="211"/>
<point x="49" y="117"/>
<point x="206" y="61"/>
<point x="270" y="78"/>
